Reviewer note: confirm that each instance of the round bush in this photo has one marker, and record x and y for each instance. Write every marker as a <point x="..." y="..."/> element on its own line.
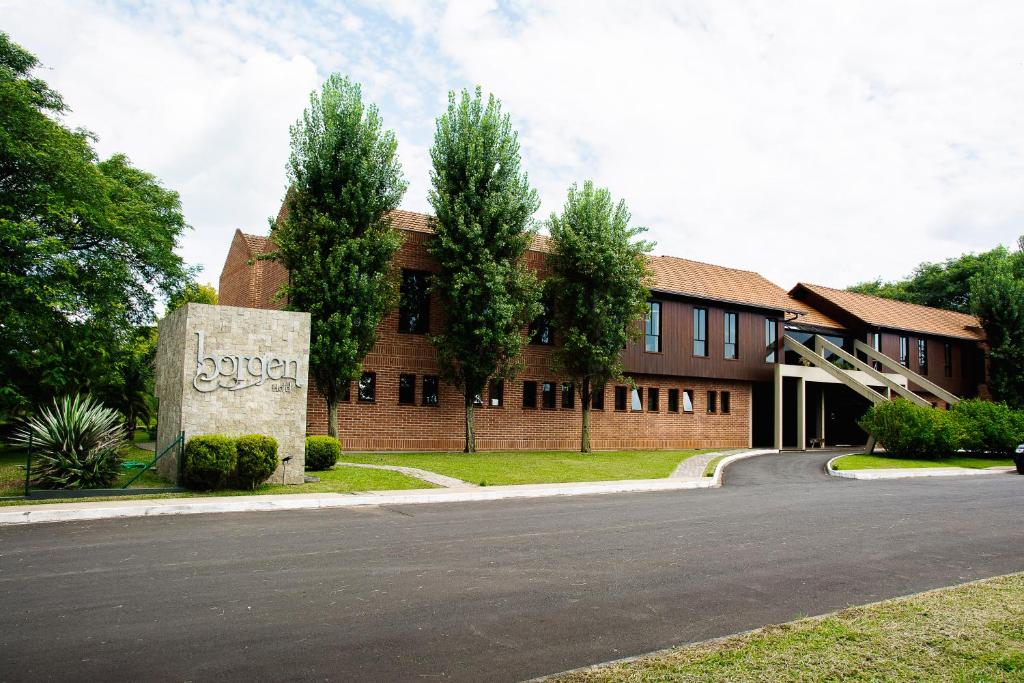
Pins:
<point x="210" y="462"/>
<point x="322" y="452"/>
<point x="907" y="430"/>
<point x="257" y="459"/>
<point x="989" y="427"/>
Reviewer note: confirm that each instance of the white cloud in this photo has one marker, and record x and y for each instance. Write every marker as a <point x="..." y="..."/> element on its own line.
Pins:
<point x="816" y="141"/>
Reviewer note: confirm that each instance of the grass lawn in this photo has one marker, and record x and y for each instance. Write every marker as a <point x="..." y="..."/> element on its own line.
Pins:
<point x="973" y="632"/>
<point x="875" y="462"/>
<point x="535" y="467"/>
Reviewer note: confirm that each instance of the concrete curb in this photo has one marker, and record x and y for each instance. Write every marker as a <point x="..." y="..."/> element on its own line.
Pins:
<point x="907" y="472"/>
<point x="715" y="481"/>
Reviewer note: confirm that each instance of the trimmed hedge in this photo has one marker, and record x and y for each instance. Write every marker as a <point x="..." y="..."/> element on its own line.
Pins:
<point x="210" y="461"/>
<point x="257" y="459"/>
<point x="322" y="452"/>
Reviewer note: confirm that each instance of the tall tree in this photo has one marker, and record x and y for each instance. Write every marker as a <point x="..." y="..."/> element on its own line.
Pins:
<point x="598" y="287"/>
<point x="192" y="293"/>
<point x="86" y="246"/>
<point x="997" y="295"/>
<point x="484" y="206"/>
<point x="335" y="236"/>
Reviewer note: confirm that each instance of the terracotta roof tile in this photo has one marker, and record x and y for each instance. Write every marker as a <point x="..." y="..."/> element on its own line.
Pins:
<point x="706" y="281"/>
<point x="899" y="315"/>
<point x="812" y="316"/>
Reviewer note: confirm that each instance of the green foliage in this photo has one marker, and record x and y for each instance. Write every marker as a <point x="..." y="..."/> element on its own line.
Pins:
<point x="85" y="245"/>
<point x="209" y="463"/>
<point x="322" y="452"/>
<point x="335" y="236"/>
<point x="257" y="459"/>
<point x="192" y="293"/>
<point x="987" y="427"/>
<point x="131" y="388"/>
<point x="998" y="300"/>
<point x="483" y="205"/>
<point x="598" y="288"/>
<point x="76" y="444"/>
<point x="907" y="430"/>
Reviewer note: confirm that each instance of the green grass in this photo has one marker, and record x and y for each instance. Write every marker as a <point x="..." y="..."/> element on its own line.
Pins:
<point x="709" y="469"/>
<point x="973" y="632"/>
<point x="535" y="467"/>
<point x="875" y="462"/>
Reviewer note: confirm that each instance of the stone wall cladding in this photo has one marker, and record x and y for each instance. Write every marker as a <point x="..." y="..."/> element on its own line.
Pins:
<point x="256" y="409"/>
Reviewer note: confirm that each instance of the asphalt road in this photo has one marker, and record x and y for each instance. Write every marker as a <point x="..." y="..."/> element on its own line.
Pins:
<point x="484" y="591"/>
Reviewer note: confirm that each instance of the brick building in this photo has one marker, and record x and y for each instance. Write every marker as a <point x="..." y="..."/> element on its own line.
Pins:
<point x="707" y="370"/>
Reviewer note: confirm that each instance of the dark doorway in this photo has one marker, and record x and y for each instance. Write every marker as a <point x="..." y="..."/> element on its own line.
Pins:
<point x="843" y="407"/>
<point x="762" y="415"/>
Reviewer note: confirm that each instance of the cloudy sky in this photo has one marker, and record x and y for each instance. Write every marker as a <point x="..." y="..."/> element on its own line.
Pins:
<point x="820" y="141"/>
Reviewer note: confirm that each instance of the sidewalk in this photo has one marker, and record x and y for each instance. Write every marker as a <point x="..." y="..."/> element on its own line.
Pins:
<point x="111" y="509"/>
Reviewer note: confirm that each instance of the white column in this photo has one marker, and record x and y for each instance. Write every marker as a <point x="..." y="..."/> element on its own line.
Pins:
<point x="801" y="414"/>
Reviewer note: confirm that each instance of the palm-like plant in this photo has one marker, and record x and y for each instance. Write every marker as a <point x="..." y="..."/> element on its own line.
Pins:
<point x="76" y="444"/>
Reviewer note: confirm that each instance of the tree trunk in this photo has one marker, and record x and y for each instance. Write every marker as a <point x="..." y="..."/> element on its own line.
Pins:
<point x="585" y="401"/>
<point x="470" y="428"/>
<point x="332" y="416"/>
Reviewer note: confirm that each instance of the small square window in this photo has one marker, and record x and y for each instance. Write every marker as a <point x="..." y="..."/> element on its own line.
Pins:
<point x="407" y="389"/>
<point x="430" y="383"/>
<point x="726" y="402"/>
<point x="637" y="402"/>
<point x="496" y="393"/>
<point x="673" y="400"/>
<point x="368" y="387"/>
<point x="547" y="395"/>
<point x="568" y="396"/>
<point x="652" y="400"/>
<point x="687" y="400"/>
<point x="597" y="398"/>
<point x="529" y="394"/>
<point x="712" y="401"/>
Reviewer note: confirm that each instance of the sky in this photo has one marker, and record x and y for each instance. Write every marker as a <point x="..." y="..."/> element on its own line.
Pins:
<point x="810" y="141"/>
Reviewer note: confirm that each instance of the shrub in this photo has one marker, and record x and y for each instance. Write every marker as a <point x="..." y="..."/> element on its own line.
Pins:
<point x="210" y="461"/>
<point x="322" y="452"/>
<point x="257" y="459"/>
<point x="76" y="444"/>
<point x="907" y="430"/>
<point x="989" y="427"/>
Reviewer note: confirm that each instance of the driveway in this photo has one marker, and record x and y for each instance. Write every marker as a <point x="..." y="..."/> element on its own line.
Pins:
<point x="484" y="591"/>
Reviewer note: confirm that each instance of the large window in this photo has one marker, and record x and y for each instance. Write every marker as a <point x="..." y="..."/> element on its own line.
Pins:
<point x="568" y="396"/>
<point x="407" y="389"/>
<point x="673" y="400"/>
<point x="948" y="359"/>
<point x="732" y="347"/>
<point x="712" y="401"/>
<point x="771" y="339"/>
<point x="496" y="392"/>
<point x="368" y="387"/>
<point x="652" y="325"/>
<point x="620" y="398"/>
<point x="700" y="331"/>
<point x="905" y="352"/>
<point x="414" y="302"/>
<point x="597" y="397"/>
<point x="541" y="330"/>
<point x="429" y="396"/>
<point x="547" y="395"/>
<point x="529" y="394"/>
<point x="922" y="356"/>
<point x="652" y="399"/>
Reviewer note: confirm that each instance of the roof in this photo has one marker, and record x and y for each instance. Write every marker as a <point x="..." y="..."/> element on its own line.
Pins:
<point x="706" y="281"/>
<point x="257" y="243"/>
<point x="812" y="316"/>
<point x="899" y="315"/>
<point x="420" y="222"/>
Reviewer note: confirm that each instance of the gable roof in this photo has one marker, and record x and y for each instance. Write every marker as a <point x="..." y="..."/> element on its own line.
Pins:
<point x="675" y="275"/>
<point x="810" y="316"/>
<point x="898" y="315"/>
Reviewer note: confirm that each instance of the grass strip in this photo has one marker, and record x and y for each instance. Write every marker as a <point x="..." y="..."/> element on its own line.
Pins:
<point x="876" y="462"/>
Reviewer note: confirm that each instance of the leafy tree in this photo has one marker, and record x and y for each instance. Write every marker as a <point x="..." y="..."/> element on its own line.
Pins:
<point x="131" y="389"/>
<point x="86" y="245"/>
<point x="484" y="207"/>
<point x="598" y="288"/>
<point x="192" y="293"/>
<point x="997" y="296"/>
<point x="335" y="236"/>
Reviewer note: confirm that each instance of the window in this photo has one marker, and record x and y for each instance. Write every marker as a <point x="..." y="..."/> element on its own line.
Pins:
<point x="529" y="394"/>
<point x="948" y="355"/>
<point x="597" y="398"/>
<point x="620" y="398"/>
<point x="700" y="331"/>
<point x="652" y="399"/>
<point x="429" y="396"/>
<point x="875" y="338"/>
<point x="726" y="402"/>
<point x="922" y="356"/>
<point x="568" y="396"/>
<point x="771" y="339"/>
<point x="547" y="392"/>
<point x="652" y="325"/>
<point x="673" y="400"/>
<point x="414" y="302"/>
<point x="732" y="348"/>
<point x="346" y="391"/>
<point x="541" y="330"/>
<point x="712" y="401"/>
<point x="905" y="352"/>
<point x="687" y="400"/>
<point x="368" y="387"/>
<point x="496" y="392"/>
<point x="407" y="389"/>
<point x="637" y="402"/>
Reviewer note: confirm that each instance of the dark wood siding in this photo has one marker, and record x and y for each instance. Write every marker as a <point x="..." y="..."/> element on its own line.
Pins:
<point x="964" y="381"/>
<point x="676" y="356"/>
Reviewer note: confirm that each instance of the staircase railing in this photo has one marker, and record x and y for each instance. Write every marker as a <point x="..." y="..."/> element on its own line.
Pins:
<point x="911" y="376"/>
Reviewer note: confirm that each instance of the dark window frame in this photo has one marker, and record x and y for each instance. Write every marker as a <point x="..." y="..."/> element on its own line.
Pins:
<point x="689" y="393"/>
<point x="652" y="327"/>
<point x="541" y="330"/>
<point x="725" y="402"/>
<point x="636" y="398"/>
<point x="529" y="394"/>
<point x="734" y="317"/>
<point x="673" y="400"/>
<point x="544" y="394"/>
<point x="621" y="399"/>
<point x="567" y="391"/>
<point x="653" y="400"/>
<point x="421" y="317"/>
<point x="947" y="359"/>
<point x="771" y="340"/>
<point x="411" y="388"/>
<point x="597" y="397"/>
<point x="922" y="356"/>
<point x="904" y="352"/>
<point x="712" y="402"/>
<point x="425" y="394"/>
<point x="496" y="389"/>
<point x="700" y="331"/>
<point x="372" y="377"/>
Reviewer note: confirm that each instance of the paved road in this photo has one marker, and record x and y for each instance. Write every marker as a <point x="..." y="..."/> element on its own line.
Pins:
<point x="484" y="591"/>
